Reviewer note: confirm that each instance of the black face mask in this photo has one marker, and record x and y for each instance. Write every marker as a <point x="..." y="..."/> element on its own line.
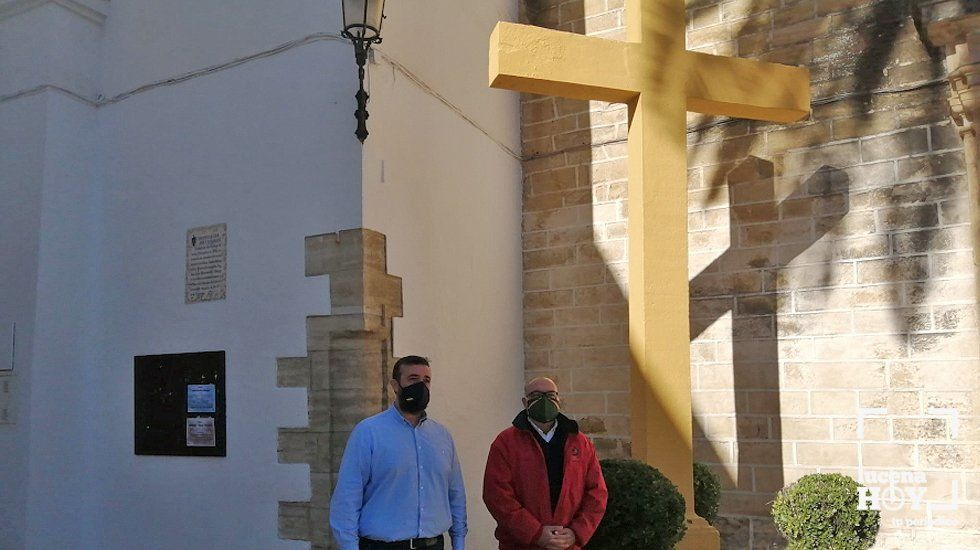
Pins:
<point x="413" y="398"/>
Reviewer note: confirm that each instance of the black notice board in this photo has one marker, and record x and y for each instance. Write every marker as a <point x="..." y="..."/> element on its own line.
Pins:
<point x="164" y="425"/>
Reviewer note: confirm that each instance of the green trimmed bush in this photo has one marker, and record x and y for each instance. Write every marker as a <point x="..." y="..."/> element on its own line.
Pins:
<point x="820" y="511"/>
<point x="645" y="509"/>
<point x="707" y="492"/>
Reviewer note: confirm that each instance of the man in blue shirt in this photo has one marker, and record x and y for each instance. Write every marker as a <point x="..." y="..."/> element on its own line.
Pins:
<point x="400" y="485"/>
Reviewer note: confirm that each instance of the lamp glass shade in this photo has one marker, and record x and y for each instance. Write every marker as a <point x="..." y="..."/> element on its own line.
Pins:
<point x="362" y="18"/>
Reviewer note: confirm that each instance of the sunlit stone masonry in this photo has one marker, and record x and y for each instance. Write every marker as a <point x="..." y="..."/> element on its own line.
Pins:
<point x="833" y="301"/>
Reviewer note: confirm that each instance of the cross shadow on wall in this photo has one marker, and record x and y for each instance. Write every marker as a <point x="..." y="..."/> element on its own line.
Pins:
<point x="746" y="281"/>
<point x="574" y="255"/>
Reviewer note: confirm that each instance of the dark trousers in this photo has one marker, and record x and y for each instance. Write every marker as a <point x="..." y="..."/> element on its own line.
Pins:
<point x="368" y="544"/>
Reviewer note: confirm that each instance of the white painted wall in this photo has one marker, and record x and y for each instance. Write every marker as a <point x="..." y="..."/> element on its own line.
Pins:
<point x="266" y="147"/>
<point x="149" y="40"/>
<point x="21" y="160"/>
<point x="262" y="148"/>
<point x="50" y="45"/>
<point x="46" y="168"/>
<point x="62" y="449"/>
<point x="449" y="200"/>
<point x="97" y="202"/>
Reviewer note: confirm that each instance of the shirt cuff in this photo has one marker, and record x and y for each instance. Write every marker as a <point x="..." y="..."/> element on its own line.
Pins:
<point x="458" y="542"/>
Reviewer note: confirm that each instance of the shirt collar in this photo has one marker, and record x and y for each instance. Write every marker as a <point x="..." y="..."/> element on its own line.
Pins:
<point x="394" y="410"/>
<point x="545" y="436"/>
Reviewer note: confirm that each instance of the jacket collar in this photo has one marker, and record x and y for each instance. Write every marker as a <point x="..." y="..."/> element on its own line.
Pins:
<point x="565" y="424"/>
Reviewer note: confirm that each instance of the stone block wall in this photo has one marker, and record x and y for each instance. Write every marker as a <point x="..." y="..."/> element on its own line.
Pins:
<point x="574" y="229"/>
<point x="345" y="370"/>
<point x="833" y="317"/>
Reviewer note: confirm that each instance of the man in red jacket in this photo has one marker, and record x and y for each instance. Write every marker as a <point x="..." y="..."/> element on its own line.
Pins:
<point x="543" y="483"/>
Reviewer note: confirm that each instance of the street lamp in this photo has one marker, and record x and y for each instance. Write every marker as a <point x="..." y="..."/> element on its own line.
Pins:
<point x="362" y="26"/>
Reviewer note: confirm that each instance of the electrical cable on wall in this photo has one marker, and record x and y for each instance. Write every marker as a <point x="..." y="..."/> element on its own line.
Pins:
<point x="423" y="86"/>
<point x="414" y="79"/>
<point x="282" y="48"/>
<point x="100" y="101"/>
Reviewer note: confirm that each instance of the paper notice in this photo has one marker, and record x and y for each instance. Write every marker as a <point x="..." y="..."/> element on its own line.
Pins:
<point x="200" y="398"/>
<point x="200" y="432"/>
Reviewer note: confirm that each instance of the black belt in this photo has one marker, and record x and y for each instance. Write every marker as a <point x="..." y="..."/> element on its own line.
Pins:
<point x="410" y="544"/>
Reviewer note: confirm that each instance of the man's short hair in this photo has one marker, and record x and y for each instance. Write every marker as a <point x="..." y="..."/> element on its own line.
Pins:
<point x="408" y="360"/>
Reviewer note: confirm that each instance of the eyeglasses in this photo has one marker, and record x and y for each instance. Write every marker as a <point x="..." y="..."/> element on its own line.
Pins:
<point x="535" y="395"/>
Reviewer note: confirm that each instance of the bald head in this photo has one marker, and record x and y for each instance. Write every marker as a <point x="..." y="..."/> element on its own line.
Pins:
<point x="540" y="384"/>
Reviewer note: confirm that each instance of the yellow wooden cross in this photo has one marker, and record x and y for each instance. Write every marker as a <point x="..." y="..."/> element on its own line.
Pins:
<point x="659" y="80"/>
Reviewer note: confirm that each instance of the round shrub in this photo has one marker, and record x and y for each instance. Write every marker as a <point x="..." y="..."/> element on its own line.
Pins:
<point x="707" y="492"/>
<point x="645" y="509"/>
<point x="820" y="511"/>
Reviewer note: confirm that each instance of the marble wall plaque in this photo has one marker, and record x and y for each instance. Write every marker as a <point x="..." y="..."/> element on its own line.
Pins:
<point x="207" y="264"/>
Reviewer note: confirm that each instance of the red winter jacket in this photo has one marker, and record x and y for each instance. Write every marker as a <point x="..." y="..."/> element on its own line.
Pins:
<point x="515" y="486"/>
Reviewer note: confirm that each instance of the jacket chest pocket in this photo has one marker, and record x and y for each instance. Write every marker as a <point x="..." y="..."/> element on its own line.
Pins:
<point x="574" y="469"/>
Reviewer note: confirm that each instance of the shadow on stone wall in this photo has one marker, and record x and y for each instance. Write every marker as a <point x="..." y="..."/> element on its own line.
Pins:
<point x="872" y="73"/>
<point x="869" y="77"/>
<point x="766" y="235"/>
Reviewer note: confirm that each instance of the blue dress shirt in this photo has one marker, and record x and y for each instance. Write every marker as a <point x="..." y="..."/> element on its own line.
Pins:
<point x="398" y="482"/>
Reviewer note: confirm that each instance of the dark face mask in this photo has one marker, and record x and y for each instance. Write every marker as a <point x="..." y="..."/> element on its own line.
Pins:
<point x="543" y="410"/>
<point x="413" y="398"/>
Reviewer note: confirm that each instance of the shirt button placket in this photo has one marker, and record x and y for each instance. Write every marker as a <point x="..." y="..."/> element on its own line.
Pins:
<point x="418" y="455"/>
